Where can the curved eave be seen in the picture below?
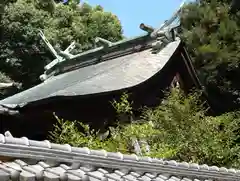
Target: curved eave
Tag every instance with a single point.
(116, 74)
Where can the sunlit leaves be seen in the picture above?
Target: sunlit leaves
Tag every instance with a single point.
(212, 36)
(62, 24)
(177, 129)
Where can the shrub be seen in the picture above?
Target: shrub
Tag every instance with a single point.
(194, 136)
(177, 129)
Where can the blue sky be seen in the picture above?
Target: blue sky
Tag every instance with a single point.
(132, 12)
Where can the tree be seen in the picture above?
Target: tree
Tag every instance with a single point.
(7, 86)
(4, 79)
(212, 36)
(22, 53)
(177, 129)
(192, 135)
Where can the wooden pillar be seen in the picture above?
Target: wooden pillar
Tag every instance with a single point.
(177, 81)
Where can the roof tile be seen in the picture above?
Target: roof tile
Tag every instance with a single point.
(86, 164)
(118, 73)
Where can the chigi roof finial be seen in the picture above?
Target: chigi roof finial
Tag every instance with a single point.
(103, 41)
(169, 22)
(146, 28)
(65, 61)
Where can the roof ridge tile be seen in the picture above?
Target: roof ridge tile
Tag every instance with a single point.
(44, 150)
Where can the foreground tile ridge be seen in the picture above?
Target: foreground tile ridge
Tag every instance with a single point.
(45, 150)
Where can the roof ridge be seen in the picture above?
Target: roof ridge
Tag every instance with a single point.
(45, 150)
(165, 35)
(94, 54)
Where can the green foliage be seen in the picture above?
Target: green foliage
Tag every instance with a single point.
(212, 36)
(46, 5)
(123, 106)
(8, 91)
(22, 53)
(4, 78)
(79, 134)
(68, 132)
(194, 136)
(176, 129)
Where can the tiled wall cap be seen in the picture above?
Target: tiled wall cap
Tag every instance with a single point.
(223, 170)
(157, 179)
(104, 152)
(13, 166)
(83, 150)
(104, 179)
(183, 165)
(5, 140)
(141, 172)
(65, 167)
(231, 170)
(2, 138)
(30, 170)
(85, 178)
(204, 167)
(186, 179)
(173, 178)
(21, 163)
(131, 157)
(194, 166)
(124, 171)
(172, 163)
(48, 144)
(14, 141)
(145, 159)
(150, 175)
(8, 134)
(129, 177)
(77, 173)
(51, 163)
(39, 144)
(98, 153)
(113, 177)
(158, 161)
(102, 171)
(115, 155)
(88, 168)
(135, 174)
(95, 175)
(59, 147)
(14, 174)
(39, 175)
(75, 165)
(120, 173)
(69, 148)
(214, 169)
(63, 176)
(164, 176)
(44, 165)
(26, 141)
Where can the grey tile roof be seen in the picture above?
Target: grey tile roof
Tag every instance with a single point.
(115, 74)
(43, 160)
